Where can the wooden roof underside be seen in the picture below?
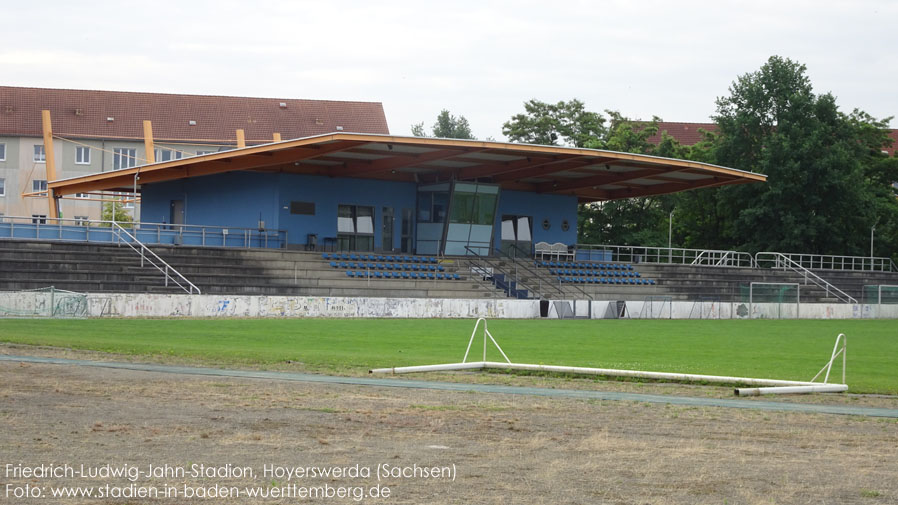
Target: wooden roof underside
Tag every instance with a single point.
(589, 174)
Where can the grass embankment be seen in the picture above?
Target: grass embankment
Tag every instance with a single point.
(758, 348)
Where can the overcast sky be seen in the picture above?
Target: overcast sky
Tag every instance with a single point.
(479, 59)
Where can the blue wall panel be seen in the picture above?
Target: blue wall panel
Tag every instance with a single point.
(237, 199)
(328, 193)
(555, 208)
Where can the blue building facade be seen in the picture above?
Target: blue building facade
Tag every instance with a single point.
(365, 214)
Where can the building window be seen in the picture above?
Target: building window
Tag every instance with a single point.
(124, 157)
(38, 219)
(2, 187)
(355, 228)
(165, 154)
(200, 153)
(38, 185)
(127, 201)
(40, 156)
(82, 155)
(82, 220)
(2, 152)
(82, 196)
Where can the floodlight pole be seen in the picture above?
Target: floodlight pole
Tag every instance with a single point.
(872, 228)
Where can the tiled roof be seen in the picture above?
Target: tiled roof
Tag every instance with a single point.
(686, 134)
(893, 134)
(85, 113)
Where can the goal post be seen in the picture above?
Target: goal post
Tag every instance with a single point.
(43, 303)
(877, 295)
(780, 300)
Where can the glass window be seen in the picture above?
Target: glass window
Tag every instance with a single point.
(345, 223)
(524, 229)
(82, 155)
(200, 153)
(38, 219)
(364, 220)
(2, 187)
(463, 207)
(38, 185)
(2, 152)
(486, 209)
(81, 220)
(165, 154)
(82, 196)
(40, 156)
(124, 157)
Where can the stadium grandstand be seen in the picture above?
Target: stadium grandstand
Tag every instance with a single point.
(286, 197)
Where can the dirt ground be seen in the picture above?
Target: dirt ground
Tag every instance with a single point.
(488, 448)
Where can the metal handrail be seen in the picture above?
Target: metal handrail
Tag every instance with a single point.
(670, 255)
(535, 273)
(780, 260)
(163, 267)
(490, 288)
(836, 262)
(97, 230)
(496, 269)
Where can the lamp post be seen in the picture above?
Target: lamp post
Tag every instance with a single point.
(872, 228)
(670, 237)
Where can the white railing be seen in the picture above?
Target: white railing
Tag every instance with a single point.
(782, 261)
(830, 262)
(148, 256)
(671, 255)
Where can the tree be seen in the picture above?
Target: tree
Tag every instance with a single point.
(447, 126)
(116, 209)
(562, 123)
(821, 195)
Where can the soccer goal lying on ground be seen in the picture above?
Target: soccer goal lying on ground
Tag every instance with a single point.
(767, 386)
(44, 302)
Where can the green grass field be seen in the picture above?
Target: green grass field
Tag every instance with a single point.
(780, 349)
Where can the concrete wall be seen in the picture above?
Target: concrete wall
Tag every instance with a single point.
(166, 305)
(149, 305)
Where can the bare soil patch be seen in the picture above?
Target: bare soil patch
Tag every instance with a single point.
(504, 448)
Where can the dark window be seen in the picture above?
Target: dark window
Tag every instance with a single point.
(302, 208)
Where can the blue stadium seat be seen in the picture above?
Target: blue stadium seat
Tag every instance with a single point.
(350, 273)
(456, 277)
(440, 268)
(325, 256)
(405, 275)
(361, 274)
(334, 264)
(414, 275)
(388, 275)
(343, 264)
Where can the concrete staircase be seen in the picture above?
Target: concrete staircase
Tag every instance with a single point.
(88, 267)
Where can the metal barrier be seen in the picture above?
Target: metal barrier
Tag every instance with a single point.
(516, 253)
(151, 233)
(829, 262)
(669, 255)
(148, 256)
(781, 261)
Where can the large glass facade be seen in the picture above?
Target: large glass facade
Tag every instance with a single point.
(456, 218)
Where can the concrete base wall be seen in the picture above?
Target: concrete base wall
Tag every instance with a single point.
(27, 304)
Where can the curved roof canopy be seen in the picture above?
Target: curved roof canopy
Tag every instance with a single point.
(589, 174)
